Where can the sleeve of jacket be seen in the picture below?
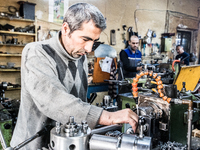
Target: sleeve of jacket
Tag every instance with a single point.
(40, 80)
(125, 61)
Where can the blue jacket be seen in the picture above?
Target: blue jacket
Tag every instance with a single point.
(130, 61)
(183, 57)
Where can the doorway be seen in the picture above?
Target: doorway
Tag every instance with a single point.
(184, 38)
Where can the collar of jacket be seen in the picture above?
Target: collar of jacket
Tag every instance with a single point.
(136, 52)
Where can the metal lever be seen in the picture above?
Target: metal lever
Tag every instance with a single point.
(141, 125)
(92, 98)
(38, 134)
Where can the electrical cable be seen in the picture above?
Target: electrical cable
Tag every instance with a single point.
(184, 16)
(12, 9)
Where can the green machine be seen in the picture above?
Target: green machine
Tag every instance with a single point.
(5, 126)
(163, 121)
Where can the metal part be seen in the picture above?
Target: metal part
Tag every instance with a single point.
(58, 129)
(107, 104)
(101, 142)
(183, 88)
(173, 145)
(141, 123)
(177, 101)
(72, 136)
(163, 126)
(107, 100)
(124, 142)
(79, 136)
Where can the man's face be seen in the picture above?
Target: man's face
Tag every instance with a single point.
(134, 42)
(80, 41)
(179, 50)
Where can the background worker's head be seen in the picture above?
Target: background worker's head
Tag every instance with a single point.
(134, 42)
(179, 49)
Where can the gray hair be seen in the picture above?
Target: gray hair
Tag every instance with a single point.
(84, 12)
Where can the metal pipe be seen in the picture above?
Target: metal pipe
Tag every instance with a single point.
(3, 142)
(190, 117)
(189, 103)
(189, 135)
(197, 87)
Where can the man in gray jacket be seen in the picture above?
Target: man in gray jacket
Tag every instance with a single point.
(54, 79)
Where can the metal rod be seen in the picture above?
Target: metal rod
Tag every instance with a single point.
(25, 142)
(122, 73)
(106, 129)
(190, 117)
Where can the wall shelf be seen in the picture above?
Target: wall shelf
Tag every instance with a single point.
(2, 55)
(17, 19)
(11, 52)
(9, 70)
(16, 33)
(12, 45)
(11, 89)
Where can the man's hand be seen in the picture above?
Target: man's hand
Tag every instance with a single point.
(121, 116)
(139, 68)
